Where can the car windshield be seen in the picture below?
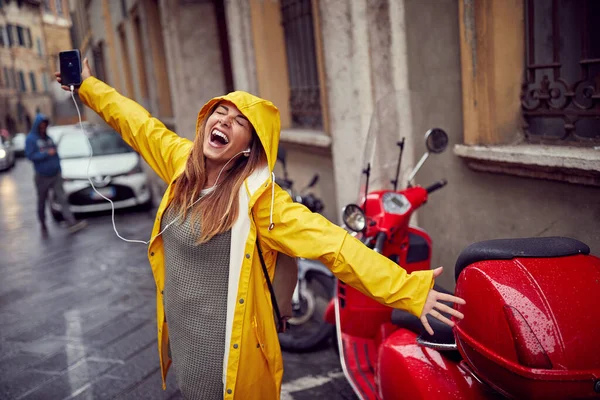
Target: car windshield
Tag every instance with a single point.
(106, 142)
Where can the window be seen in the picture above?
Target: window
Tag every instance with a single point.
(32, 81)
(29, 40)
(305, 92)
(10, 34)
(22, 86)
(98, 54)
(141, 65)
(2, 40)
(59, 7)
(7, 78)
(126, 63)
(21, 35)
(47, 6)
(561, 96)
(39, 47)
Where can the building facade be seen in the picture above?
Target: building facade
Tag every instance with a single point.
(24, 83)
(514, 83)
(56, 19)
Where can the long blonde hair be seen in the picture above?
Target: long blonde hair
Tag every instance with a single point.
(218, 210)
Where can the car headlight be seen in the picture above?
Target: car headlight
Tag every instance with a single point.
(2, 153)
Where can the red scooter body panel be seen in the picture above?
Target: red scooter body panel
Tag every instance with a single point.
(410, 371)
(533, 336)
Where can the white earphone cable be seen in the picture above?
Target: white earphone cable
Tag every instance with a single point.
(210, 190)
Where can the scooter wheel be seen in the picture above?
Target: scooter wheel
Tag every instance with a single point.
(314, 331)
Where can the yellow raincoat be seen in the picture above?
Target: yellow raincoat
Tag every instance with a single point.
(253, 366)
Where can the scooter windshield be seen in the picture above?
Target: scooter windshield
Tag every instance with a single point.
(390, 123)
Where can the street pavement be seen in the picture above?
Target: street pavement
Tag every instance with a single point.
(77, 311)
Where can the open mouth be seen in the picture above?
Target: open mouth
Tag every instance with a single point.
(218, 138)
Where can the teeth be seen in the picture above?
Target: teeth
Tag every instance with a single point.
(217, 132)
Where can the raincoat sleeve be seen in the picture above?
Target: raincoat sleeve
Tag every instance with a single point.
(301, 233)
(162, 149)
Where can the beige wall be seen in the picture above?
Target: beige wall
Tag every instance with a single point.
(193, 60)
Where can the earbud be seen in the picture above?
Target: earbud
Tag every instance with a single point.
(247, 152)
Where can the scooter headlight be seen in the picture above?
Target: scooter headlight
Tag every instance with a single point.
(354, 217)
(2, 153)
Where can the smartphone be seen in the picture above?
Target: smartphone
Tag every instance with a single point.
(70, 67)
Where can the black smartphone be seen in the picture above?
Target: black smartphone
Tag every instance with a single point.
(70, 67)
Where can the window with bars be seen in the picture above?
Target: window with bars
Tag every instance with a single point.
(305, 91)
(10, 33)
(22, 86)
(33, 82)
(561, 91)
(2, 40)
(59, 8)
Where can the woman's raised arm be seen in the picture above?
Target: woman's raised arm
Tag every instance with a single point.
(162, 149)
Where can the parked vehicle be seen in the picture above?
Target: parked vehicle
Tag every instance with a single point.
(115, 170)
(307, 328)
(530, 329)
(7, 154)
(18, 144)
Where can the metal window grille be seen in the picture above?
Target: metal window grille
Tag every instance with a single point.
(33, 82)
(561, 91)
(59, 7)
(305, 93)
(22, 86)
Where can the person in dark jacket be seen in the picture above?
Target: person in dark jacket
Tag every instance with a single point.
(41, 150)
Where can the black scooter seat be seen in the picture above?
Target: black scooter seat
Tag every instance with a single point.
(507, 249)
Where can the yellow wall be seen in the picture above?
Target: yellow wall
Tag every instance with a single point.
(271, 61)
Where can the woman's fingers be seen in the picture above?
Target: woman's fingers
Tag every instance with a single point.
(449, 310)
(426, 324)
(440, 317)
(450, 298)
(437, 272)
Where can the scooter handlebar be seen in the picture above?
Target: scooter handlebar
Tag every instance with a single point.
(380, 240)
(436, 186)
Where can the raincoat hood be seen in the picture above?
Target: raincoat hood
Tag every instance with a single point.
(262, 114)
(39, 118)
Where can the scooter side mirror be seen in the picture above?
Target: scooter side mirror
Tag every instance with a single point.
(313, 181)
(436, 140)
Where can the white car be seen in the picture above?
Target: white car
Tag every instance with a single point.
(7, 155)
(18, 143)
(115, 170)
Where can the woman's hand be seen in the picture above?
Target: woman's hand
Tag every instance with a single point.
(433, 306)
(86, 72)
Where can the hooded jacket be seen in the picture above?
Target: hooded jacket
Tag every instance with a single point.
(253, 366)
(36, 149)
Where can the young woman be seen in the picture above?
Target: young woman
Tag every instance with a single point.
(214, 312)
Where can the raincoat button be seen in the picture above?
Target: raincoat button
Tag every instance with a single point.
(152, 254)
(257, 345)
(229, 391)
(241, 301)
(235, 346)
(248, 255)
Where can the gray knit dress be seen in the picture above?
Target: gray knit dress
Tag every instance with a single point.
(195, 297)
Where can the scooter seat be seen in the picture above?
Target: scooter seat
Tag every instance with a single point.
(507, 249)
(442, 335)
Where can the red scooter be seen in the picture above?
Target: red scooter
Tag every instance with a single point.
(531, 328)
